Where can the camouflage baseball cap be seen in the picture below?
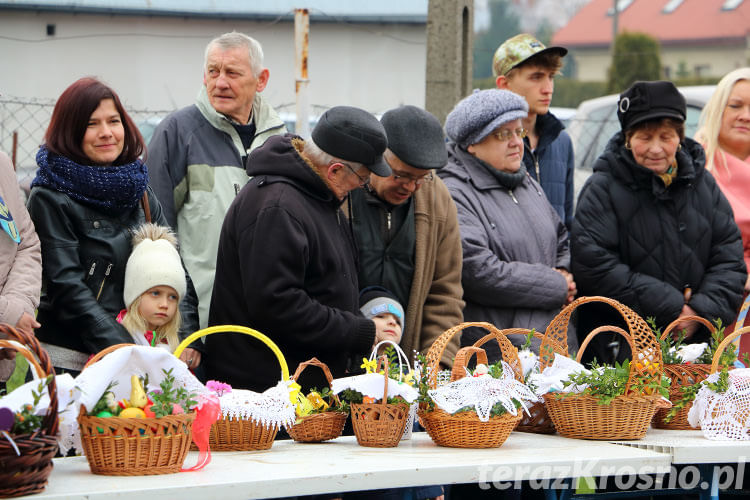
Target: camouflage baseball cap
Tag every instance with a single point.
(516, 50)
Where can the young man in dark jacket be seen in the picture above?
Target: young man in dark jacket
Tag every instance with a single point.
(286, 262)
(523, 65)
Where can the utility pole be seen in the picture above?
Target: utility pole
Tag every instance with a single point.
(614, 26)
(302, 82)
(450, 43)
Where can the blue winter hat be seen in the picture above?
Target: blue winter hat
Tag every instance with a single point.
(375, 300)
(478, 115)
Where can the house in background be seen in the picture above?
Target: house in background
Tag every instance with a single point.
(366, 54)
(705, 38)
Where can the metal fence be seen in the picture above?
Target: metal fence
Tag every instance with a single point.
(23, 122)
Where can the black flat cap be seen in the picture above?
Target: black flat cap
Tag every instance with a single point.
(416, 137)
(353, 134)
(650, 101)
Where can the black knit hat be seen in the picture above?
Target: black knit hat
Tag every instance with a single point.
(353, 134)
(649, 101)
(416, 137)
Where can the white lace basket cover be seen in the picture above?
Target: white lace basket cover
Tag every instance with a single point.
(724, 416)
(271, 408)
(402, 361)
(482, 393)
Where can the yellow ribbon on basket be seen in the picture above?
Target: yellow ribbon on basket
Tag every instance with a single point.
(239, 329)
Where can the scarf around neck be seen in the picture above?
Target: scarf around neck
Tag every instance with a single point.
(509, 180)
(112, 189)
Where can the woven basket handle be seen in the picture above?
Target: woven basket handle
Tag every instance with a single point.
(326, 371)
(609, 328)
(435, 353)
(50, 421)
(237, 329)
(24, 351)
(462, 359)
(645, 346)
(383, 361)
(99, 355)
(673, 325)
(723, 345)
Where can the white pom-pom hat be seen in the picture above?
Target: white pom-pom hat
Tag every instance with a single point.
(154, 261)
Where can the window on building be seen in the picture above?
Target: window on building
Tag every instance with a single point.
(621, 6)
(702, 70)
(671, 6)
(731, 4)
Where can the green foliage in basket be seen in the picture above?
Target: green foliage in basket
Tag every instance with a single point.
(669, 346)
(27, 421)
(169, 396)
(107, 402)
(351, 396)
(605, 382)
(690, 391)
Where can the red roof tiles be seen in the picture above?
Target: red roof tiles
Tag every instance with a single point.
(691, 21)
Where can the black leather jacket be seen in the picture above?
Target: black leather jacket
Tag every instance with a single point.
(84, 253)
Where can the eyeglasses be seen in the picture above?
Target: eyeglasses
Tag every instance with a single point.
(406, 179)
(505, 134)
(363, 181)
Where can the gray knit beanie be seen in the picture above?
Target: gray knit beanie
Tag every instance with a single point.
(476, 116)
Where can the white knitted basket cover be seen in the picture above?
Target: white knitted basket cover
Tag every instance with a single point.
(724, 416)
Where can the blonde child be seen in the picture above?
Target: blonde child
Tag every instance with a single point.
(154, 285)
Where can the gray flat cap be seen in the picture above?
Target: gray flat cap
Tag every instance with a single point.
(416, 137)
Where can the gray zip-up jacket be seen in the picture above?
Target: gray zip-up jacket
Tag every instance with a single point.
(512, 242)
(195, 162)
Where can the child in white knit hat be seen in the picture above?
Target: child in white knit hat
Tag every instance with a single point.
(154, 285)
(381, 306)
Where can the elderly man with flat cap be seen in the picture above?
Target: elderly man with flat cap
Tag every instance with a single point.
(407, 230)
(286, 263)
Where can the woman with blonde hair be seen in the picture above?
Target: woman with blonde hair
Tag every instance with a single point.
(725, 134)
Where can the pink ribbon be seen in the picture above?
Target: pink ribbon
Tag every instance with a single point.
(207, 412)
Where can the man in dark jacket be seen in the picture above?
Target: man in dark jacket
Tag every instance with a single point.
(522, 64)
(286, 263)
(407, 231)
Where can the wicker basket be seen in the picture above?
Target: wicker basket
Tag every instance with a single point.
(537, 420)
(27, 473)
(465, 430)
(116, 446)
(628, 416)
(379, 425)
(403, 360)
(239, 434)
(728, 419)
(682, 375)
(319, 426)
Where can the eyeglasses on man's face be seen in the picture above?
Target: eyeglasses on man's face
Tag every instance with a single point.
(403, 178)
(505, 134)
(363, 181)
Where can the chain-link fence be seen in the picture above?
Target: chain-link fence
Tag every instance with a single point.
(23, 122)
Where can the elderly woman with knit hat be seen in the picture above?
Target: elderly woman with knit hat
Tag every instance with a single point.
(652, 229)
(515, 250)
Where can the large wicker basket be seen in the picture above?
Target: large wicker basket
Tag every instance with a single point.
(27, 473)
(682, 375)
(379, 425)
(228, 434)
(116, 446)
(628, 416)
(537, 420)
(464, 429)
(319, 426)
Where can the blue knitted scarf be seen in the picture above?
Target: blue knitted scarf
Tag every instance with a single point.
(111, 189)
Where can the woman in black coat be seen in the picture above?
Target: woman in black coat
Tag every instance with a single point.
(89, 193)
(652, 229)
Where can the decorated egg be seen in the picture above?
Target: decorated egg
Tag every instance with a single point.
(132, 413)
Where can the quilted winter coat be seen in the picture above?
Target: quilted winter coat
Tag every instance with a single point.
(642, 243)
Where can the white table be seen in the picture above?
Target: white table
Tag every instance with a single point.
(691, 448)
(290, 468)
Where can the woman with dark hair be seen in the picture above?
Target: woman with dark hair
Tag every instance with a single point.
(652, 229)
(89, 193)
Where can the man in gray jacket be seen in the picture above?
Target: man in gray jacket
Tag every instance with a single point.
(196, 158)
